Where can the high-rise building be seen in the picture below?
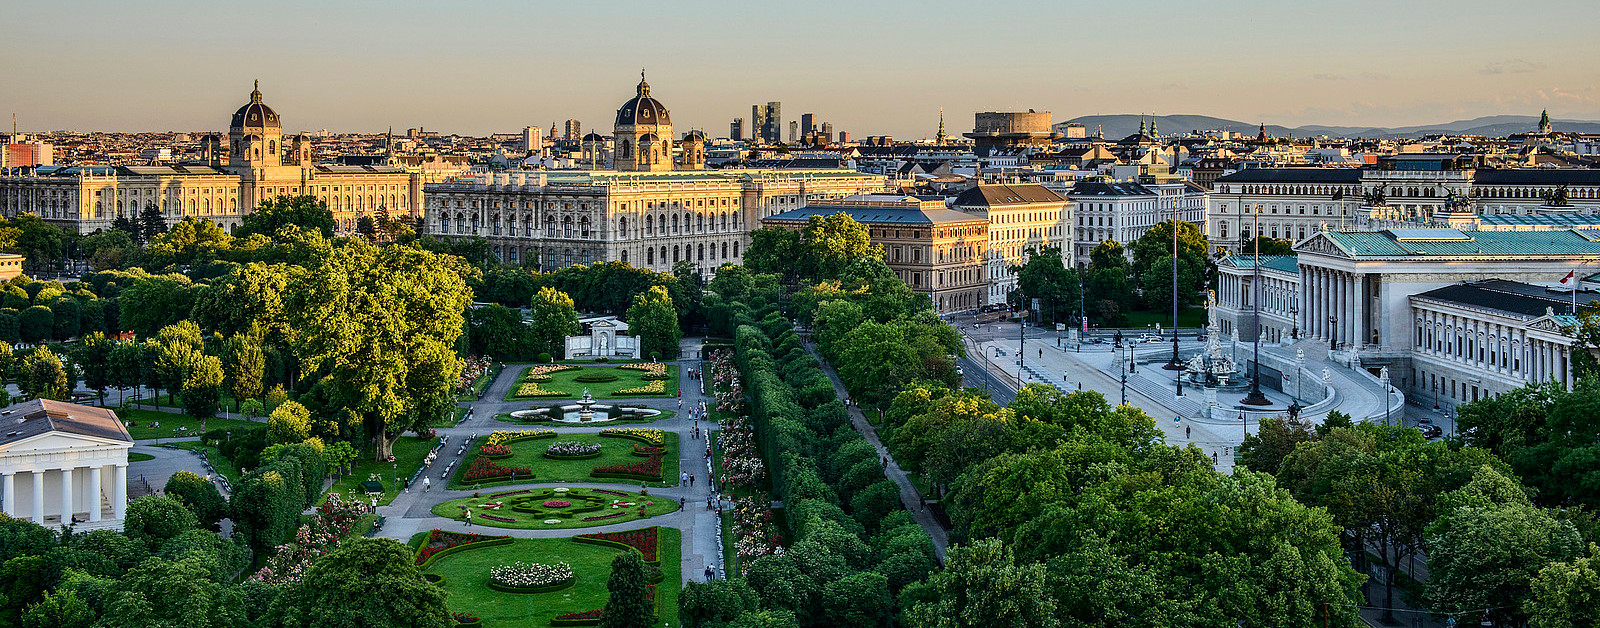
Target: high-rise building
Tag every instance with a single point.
(808, 123)
(532, 139)
(844, 137)
(827, 133)
(736, 129)
(794, 131)
(766, 122)
(573, 130)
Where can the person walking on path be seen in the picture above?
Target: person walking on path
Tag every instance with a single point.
(426, 484)
(683, 478)
(1186, 431)
(691, 479)
(469, 518)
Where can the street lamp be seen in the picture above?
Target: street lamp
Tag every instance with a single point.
(1255, 398)
(1172, 364)
(1294, 317)
(1333, 333)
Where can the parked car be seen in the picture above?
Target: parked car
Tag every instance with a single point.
(1431, 431)
(1150, 338)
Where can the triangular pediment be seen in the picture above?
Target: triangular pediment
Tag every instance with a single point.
(1321, 244)
(59, 441)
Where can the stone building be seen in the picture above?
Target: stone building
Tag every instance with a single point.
(256, 163)
(937, 251)
(1022, 218)
(64, 463)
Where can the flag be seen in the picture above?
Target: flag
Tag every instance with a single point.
(1567, 280)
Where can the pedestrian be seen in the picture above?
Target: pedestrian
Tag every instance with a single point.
(691, 479)
(1186, 431)
(469, 518)
(923, 501)
(680, 502)
(680, 402)
(426, 484)
(683, 478)
(886, 461)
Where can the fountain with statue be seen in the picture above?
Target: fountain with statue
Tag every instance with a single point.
(1213, 369)
(583, 411)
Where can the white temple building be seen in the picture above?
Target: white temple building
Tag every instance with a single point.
(62, 463)
(604, 336)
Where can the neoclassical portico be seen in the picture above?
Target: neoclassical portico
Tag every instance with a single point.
(62, 463)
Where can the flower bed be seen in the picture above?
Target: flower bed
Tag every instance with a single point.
(506, 437)
(610, 492)
(533, 389)
(645, 541)
(656, 387)
(648, 436)
(498, 518)
(568, 450)
(647, 469)
(442, 542)
(557, 503)
(755, 530)
(483, 469)
(646, 450)
(495, 451)
(520, 577)
(585, 618)
(610, 516)
(465, 619)
(652, 370)
(741, 457)
(518, 491)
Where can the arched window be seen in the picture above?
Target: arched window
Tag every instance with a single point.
(649, 225)
(700, 222)
(583, 227)
(675, 253)
(674, 223)
(272, 147)
(650, 256)
(735, 249)
(624, 256)
(724, 249)
(566, 224)
(622, 228)
(627, 149)
(702, 252)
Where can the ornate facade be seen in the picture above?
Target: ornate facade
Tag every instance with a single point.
(256, 164)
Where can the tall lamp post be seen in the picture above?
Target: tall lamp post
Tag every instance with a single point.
(1122, 363)
(1172, 364)
(1255, 398)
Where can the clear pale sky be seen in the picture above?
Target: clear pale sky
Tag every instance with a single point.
(868, 66)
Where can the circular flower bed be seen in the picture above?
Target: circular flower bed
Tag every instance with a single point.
(596, 377)
(495, 451)
(569, 450)
(557, 503)
(520, 577)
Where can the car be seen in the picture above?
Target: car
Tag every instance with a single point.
(1425, 420)
(1431, 431)
(1149, 338)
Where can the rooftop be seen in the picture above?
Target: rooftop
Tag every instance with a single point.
(920, 214)
(1510, 297)
(1283, 263)
(1293, 175)
(40, 416)
(995, 195)
(1450, 242)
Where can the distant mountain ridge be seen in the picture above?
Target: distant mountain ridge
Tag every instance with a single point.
(1117, 126)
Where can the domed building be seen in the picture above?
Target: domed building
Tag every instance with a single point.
(255, 135)
(643, 133)
(694, 151)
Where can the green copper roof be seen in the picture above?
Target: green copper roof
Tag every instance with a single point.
(1516, 243)
(1284, 263)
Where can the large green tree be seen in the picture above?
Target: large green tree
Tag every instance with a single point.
(654, 321)
(202, 387)
(833, 243)
(553, 318)
(498, 331)
(304, 212)
(1566, 594)
(363, 583)
(161, 593)
(43, 375)
(382, 324)
(1045, 276)
(982, 586)
(629, 604)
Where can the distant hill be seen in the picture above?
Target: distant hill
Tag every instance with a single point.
(1117, 126)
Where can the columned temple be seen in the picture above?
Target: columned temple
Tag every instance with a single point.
(63, 464)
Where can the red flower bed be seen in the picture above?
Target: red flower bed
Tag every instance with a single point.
(610, 492)
(650, 467)
(484, 468)
(440, 540)
(599, 517)
(644, 540)
(525, 490)
(583, 615)
(495, 450)
(494, 518)
(557, 503)
(646, 450)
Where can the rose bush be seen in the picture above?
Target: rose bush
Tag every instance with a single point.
(521, 575)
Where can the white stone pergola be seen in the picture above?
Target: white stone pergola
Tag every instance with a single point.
(63, 462)
(604, 336)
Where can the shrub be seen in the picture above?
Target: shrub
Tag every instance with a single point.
(520, 577)
(595, 377)
(568, 450)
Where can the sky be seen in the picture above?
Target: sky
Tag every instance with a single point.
(868, 66)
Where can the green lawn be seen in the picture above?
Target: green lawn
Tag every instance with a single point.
(223, 466)
(506, 417)
(138, 457)
(729, 553)
(171, 424)
(466, 574)
(655, 506)
(529, 454)
(166, 401)
(565, 381)
(1188, 318)
(408, 454)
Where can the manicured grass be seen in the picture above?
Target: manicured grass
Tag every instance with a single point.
(408, 454)
(478, 385)
(170, 424)
(565, 381)
(466, 575)
(166, 401)
(730, 556)
(529, 521)
(506, 417)
(529, 454)
(138, 457)
(223, 465)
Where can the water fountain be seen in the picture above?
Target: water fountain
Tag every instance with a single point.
(586, 407)
(584, 410)
(1211, 368)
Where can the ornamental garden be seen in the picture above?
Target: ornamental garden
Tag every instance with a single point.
(569, 381)
(632, 455)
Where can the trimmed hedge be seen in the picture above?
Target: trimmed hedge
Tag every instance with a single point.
(474, 545)
(595, 377)
(545, 589)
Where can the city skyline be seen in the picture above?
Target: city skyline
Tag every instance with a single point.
(499, 67)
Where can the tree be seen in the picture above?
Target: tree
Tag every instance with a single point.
(153, 302)
(496, 330)
(304, 212)
(112, 249)
(1566, 594)
(1045, 276)
(383, 324)
(983, 586)
(1265, 450)
(654, 321)
(155, 518)
(94, 357)
(1269, 246)
(289, 423)
(553, 317)
(43, 376)
(1157, 283)
(191, 240)
(160, 593)
(199, 496)
(1156, 244)
(202, 387)
(44, 244)
(175, 350)
(151, 223)
(834, 242)
(777, 250)
(859, 599)
(629, 605)
(1108, 254)
(363, 582)
(36, 324)
(246, 365)
(714, 603)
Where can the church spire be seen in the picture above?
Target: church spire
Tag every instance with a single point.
(1544, 121)
(1141, 124)
(255, 95)
(1153, 131)
(939, 139)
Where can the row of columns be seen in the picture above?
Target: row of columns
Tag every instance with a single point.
(1542, 360)
(119, 498)
(1335, 305)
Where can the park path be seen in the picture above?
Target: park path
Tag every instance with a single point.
(909, 497)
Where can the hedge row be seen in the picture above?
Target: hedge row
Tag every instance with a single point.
(545, 589)
(460, 548)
